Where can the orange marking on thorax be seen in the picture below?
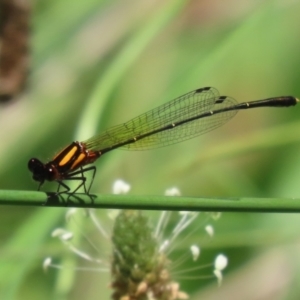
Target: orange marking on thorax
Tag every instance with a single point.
(68, 156)
(78, 160)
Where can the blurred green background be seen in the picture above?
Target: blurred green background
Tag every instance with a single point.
(95, 64)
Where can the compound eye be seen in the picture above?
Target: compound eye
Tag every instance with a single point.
(38, 169)
(34, 164)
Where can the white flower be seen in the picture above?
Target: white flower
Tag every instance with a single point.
(174, 191)
(47, 263)
(195, 252)
(121, 187)
(221, 262)
(210, 230)
(62, 234)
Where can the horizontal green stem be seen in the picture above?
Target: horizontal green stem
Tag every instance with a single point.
(33, 198)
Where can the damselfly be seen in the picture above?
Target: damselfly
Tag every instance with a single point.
(183, 118)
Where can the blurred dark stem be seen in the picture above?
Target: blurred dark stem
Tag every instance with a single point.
(14, 47)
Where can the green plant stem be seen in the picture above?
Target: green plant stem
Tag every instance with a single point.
(33, 198)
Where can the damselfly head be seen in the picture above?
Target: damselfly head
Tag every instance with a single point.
(38, 169)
